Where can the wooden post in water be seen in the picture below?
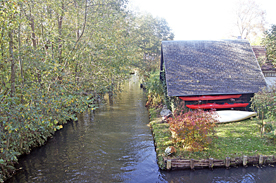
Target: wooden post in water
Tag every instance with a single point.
(169, 164)
(192, 164)
(227, 162)
(261, 160)
(211, 163)
(244, 160)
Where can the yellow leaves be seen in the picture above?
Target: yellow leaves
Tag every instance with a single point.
(58, 127)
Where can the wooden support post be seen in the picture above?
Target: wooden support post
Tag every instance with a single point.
(244, 160)
(211, 163)
(192, 164)
(261, 160)
(227, 162)
(169, 164)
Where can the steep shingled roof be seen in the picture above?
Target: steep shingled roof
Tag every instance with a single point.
(210, 67)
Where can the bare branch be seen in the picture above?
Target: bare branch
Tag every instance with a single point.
(250, 19)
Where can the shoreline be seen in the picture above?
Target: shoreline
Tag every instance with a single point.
(162, 140)
(35, 142)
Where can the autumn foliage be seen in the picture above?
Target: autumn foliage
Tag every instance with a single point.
(192, 129)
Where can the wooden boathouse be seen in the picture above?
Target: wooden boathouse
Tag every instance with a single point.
(210, 67)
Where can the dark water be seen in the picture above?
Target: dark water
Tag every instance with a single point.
(114, 144)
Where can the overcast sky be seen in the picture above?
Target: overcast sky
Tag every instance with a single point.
(199, 19)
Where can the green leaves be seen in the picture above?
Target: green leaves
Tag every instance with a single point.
(149, 33)
(58, 57)
(155, 89)
(264, 103)
(269, 42)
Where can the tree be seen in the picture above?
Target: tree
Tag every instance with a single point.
(269, 41)
(57, 56)
(250, 19)
(150, 33)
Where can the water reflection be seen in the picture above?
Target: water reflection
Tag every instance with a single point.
(114, 144)
(221, 175)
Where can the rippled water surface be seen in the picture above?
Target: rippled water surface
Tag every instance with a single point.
(114, 144)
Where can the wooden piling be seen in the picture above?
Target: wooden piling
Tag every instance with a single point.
(192, 165)
(169, 164)
(227, 162)
(211, 163)
(261, 160)
(244, 160)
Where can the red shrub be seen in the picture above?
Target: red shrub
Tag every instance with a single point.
(192, 128)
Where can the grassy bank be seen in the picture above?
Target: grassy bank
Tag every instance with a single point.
(230, 140)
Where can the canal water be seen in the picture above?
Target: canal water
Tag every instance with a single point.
(114, 144)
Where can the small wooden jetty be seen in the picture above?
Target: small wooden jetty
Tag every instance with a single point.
(259, 160)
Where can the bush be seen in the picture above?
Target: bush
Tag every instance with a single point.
(155, 90)
(192, 128)
(264, 103)
(25, 125)
(271, 135)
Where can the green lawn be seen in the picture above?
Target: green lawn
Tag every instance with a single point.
(230, 140)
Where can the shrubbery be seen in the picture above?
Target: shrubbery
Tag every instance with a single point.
(28, 123)
(192, 129)
(155, 90)
(264, 103)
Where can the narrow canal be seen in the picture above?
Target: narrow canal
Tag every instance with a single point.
(114, 144)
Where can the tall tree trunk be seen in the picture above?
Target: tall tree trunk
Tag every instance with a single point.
(77, 22)
(2, 62)
(60, 19)
(34, 44)
(77, 38)
(2, 44)
(19, 53)
(33, 31)
(19, 57)
(12, 80)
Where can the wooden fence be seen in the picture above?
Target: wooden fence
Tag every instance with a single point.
(227, 162)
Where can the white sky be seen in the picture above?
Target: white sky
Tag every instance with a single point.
(199, 19)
